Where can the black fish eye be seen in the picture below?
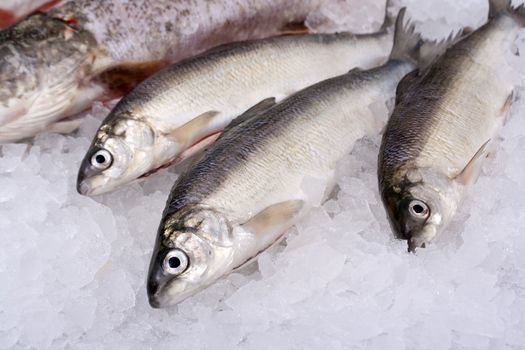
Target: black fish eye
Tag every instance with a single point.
(175, 262)
(101, 159)
(418, 209)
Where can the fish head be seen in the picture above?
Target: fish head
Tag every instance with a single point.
(194, 248)
(419, 204)
(43, 65)
(121, 152)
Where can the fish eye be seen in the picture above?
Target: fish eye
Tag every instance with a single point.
(102, 159)
(175, 262)
(418, 209)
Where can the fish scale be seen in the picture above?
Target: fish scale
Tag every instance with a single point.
(268, 167)
(264, 162)
(115, 45)
(188, 102)
(440, 131)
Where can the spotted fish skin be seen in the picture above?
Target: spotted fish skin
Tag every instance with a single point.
(442, 127)
(84, 50)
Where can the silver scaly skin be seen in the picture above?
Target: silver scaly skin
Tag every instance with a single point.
(181, 109)
(252, 183)
(55, 64)
(442, 128)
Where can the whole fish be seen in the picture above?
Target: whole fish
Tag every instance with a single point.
(252, 183)
(442, 127)
(11, 11)
(55, 64)
(181, 109)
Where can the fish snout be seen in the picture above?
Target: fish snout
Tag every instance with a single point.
(90, 181)
(153, 297)
(414, 243)
(83, 188)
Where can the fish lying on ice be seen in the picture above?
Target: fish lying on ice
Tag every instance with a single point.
(55, 64)
(442, 127)
(248, 187)
(181, 109)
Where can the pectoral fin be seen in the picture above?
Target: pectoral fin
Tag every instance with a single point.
(196, 148)
(472, 170)
(65, 126)
(270, 225)
(505, 109)
(194, 130)
(274, 217)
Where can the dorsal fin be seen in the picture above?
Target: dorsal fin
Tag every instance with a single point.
(405, 83)
(388, 20)
(433, 49)
(497, 6)
(406, 41)
(470, 173)
(505, 6)
(256, 110)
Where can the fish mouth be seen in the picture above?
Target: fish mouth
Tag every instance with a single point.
(89, 187)
(165, 291)
(421, 238)
(90, 181)
(84, 188)
(153, 296)
(415, 243)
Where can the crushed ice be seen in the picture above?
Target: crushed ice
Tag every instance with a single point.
(72, 269)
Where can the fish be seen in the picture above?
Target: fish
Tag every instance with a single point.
(11, 11)
(251, 185)
(54, 64)
(445, 123)
(180, 110)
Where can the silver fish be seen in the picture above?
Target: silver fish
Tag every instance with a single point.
(183, 108)
(252, 183)
(55, 64)
(443, 125)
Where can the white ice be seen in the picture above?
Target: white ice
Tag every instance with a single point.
(72, 269)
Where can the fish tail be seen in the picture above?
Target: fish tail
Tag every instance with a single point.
(406, 41)
(497, 6)
(431, 49)
(409, 46)
(388, 20)
(505, 6)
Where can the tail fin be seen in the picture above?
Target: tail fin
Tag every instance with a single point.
(431, 49)
(497, 6)
(505, 6)
(408, 45)
(388, 20)
(406, 41)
